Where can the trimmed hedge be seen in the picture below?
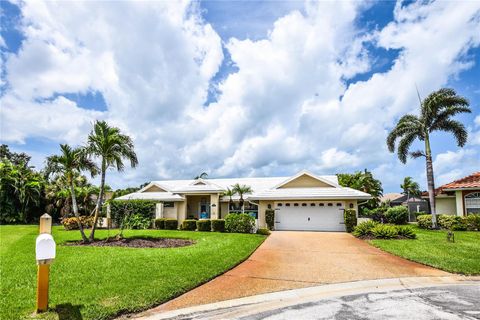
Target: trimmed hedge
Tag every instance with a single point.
(143, 209)
(424, 221)
(397, 215)
(189, 225)
(218, 225)
(160, 223)
(171, 224)
(204, 225)
(350, 218)
(72, 224)
(136, 221)
(270, 218)
(263, 231)
(240, 223)
(470, 222)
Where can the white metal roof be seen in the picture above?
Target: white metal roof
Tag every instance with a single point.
(161, 196)
(309, 193)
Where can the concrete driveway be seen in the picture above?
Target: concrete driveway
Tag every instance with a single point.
(291, 260)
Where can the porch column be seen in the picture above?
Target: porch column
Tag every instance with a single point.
(459, 202)
(181, 210)
(214, 206)
(159, 210)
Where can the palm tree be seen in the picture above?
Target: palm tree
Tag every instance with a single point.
(241, 190)
(112, 147)
(436, 112)
(230, 193)
(410, 187)
(69, 164)
(202, 175)
(27, 186)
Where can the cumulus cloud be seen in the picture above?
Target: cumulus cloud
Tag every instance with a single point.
(289, 105)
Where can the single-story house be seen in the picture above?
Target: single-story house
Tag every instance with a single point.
(413, 204)
(460, 197)
(304, 201)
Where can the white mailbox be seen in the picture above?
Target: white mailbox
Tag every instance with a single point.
(45, 248)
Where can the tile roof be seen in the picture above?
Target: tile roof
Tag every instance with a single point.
(468, 182)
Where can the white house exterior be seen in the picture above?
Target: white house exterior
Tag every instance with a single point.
(304, 201)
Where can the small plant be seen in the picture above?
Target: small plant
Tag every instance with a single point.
(350, 218)
(263, 231)
(424, 221)
(364, 229)
(385, 231)
(218, 225)
(171, 224)
(189, 225)
(270, 218)
(397, 215)
(71, 223)
(406, 232)
(160, 223)
(204, 225)
(240, 223)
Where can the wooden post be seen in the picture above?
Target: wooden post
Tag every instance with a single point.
(43, 269)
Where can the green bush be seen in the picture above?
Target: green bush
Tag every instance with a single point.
(171, 224)
(270, 218)
(451, 222)
(144, 209)
(263, 231)
(350, 218)
(189, 225)
(136, 221)
(71, 223)
(425, 221)
(384, 231)
(364, 229)
(472, 222)
(160, 223)
(204, 225)
(240, 223)
(397, 215)
(218, 225)
(406, 232)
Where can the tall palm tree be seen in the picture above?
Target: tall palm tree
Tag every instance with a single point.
(69, 164)
(230, 193)
(436, 112)
(112, 147)
(202, 175)
(410, 187)
(241, 190)
(27, 186)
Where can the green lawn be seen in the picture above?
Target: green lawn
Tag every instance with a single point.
(101, 282)
(433, 249)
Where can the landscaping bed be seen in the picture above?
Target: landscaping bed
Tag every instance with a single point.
(135, 243)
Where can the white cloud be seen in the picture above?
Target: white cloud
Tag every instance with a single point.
(287, 108)
(452, 165)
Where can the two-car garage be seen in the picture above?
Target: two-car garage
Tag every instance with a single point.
(309, 216)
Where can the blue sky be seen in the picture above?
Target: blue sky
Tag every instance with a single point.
(239, 87)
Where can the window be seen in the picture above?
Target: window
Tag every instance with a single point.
(287, 204)
(312, 204)
(330, 204)
(321, 204)
(295, 204)
(351, 205)
(304, 204)
(339, 204)
(279, 204)
(472, 203)
(168, 204)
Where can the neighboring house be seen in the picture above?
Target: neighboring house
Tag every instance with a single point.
(460, 197)
(302, 202)
(413, 204)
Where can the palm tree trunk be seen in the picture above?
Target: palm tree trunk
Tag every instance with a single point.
(242, 204)
(430, 181)
(98, 207)
(75, 211)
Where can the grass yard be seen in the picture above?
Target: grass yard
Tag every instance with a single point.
(433, 249)
(101, 282)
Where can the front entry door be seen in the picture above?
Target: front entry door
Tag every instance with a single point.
(204, 209)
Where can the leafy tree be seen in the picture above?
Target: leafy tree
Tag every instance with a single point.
(13, 157)
(410, 187)
(230, 193)
(436, 112)
(241, 190)
(70, 163)
(111, 147)
(363, 181)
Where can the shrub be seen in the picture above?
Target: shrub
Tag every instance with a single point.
(218, 225)
(263, 231)
(472, 222)
(171, 224)
(425, 221)
(270, 218)
(364, 229)
(204, 225)
(451, 222)
(406, 232)
(136, 221)
(397, 215)
(120, 209)
(189, 225)
(384, 231)
(160, 223)
(240, 223)
(71, 223)
(350, 218)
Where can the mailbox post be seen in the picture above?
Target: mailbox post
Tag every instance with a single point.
(45, 253)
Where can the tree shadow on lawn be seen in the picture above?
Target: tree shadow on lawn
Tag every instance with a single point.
(68, 311)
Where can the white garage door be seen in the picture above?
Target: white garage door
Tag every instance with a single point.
(312, 216)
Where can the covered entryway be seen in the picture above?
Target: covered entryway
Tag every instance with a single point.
(309, 216)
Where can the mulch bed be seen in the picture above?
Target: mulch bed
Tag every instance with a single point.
(136, 243)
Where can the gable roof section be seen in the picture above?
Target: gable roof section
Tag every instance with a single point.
(154, 187)
(311, 181)
(309, 193)
(469, 182)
